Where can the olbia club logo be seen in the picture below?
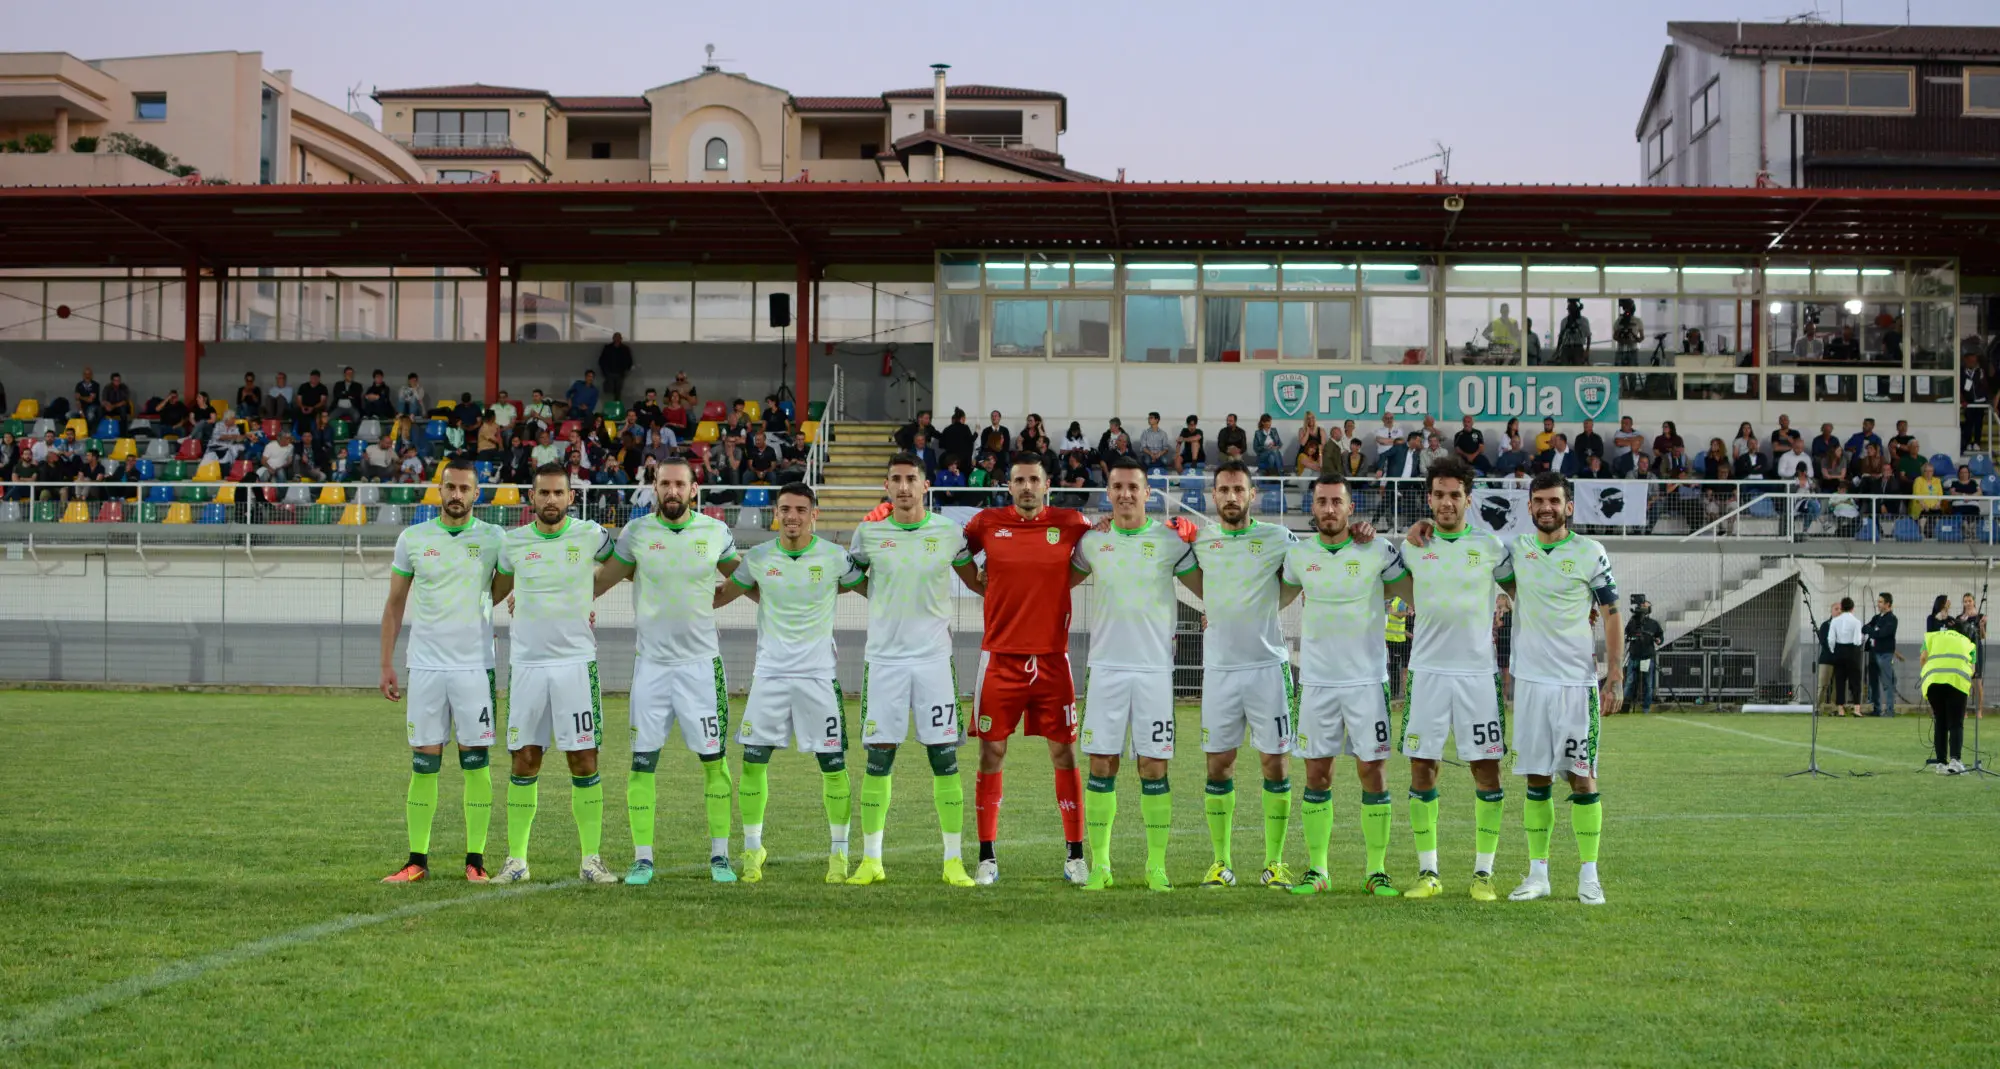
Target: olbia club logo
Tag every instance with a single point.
(1288, 393)
(1593, 393)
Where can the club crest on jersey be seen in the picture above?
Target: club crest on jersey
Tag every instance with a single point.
(1353, 567)
(472, 552)
(1054, 536)
(1472, 557)
(700, 545)
(1569, 567)
(1256, 545)
(930, 545)
(573, 553)
(1145, 548)
(815, 572)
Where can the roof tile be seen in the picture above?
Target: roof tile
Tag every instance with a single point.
(471, 89)
(602, 103)
(1828, 39)
(841, 103)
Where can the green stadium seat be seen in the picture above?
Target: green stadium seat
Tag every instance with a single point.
(195, 494)
(153, 511)
(16, 428)
(815, 410)
(400, 495)
(342, 430)
(48, 511)
(614, 411)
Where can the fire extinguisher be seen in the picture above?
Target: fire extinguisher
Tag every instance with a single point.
(888, 363)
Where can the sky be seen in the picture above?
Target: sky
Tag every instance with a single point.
(1169, 90)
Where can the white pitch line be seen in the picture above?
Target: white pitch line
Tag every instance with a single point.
(1781, 742)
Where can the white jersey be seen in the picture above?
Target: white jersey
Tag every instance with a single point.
(909, 586)
(1132, 609)
(1341, 642)
(1239, 594)
(554, 577)
(1455, 587)
(451, 573)
(673, 584)
(795, 604)
(1555, 587)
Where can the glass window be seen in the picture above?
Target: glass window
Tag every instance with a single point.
(1731, 387)
(424, 309)
(149, 107)
(1260, 330)
(308, 311)
(1295, 324)
(1882, 280)
(1239, 273)
(1483, 276)
(1047, 271)
(958, 327)
(1150, 273)
(1159, 329)
(364, 311)
(903, 313)
(1333, 329)
(1082, 328)
(1718, 278)
(1563, 341)
(1933, 279)
(1638, 278)
(1020, 328)
(1318, 274)
(1705, 107)
(1843, 281)
(1789, 340)
(1932, 339)
(452, 178)
(663, 311)
(1396, 274)
(132, 310)
(959, 270)
(1569, 279)
(716, 156)
(253, 311)
(21, 312)
(601, 310)
(1849, 88)
(425, 122)
(1222, 329)
(1095, 271)
(1396, 330)
(1815, 88)
(472, 310)
(724, 311)
(846, 311)
(1007, 273)
(1697, 326)
(1660, 147)
(1889, 90)
(541, 310)
(1483, 330)
(1982, 92)
(1787, 278)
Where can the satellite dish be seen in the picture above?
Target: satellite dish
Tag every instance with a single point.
(363, 118)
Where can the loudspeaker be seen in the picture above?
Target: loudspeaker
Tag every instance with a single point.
(1683, 675)
(781, 309)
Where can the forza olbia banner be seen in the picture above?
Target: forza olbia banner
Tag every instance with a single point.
(1446, 394)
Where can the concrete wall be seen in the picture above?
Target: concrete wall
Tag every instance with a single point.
(755, 119)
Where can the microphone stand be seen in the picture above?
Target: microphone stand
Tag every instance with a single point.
(1978, 765)
(1812, 763)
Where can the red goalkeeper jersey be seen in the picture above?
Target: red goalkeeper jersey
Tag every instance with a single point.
(1027, 576)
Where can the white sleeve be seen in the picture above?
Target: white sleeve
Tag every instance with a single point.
(400, 563)
(604, 545)
(623, 548)
(1503, 567)
(1078, 559)
(857, 548)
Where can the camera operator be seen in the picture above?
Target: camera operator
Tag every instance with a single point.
(1643, 638)
(1946, 667)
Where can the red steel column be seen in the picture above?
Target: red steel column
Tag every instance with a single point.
(801, 340)
(492, 327)
(190, 331)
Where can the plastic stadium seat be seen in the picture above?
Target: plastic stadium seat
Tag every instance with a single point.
(1865, 530)
(1981, 464)
(1950, 529)
(298, 495)
(389, 515)
(220, 407)
(28, 409)
(1989, 485)
(226, 493)
(370, 431)
(107, 428)
(77, 427)
(76, 512)
(756, 499)
(332, 494)
(613, 411)
(1942, 465)
(815, 409)
(10, 512)
(434, 430)
(190, 449)
(707, 431)
(159, 494)
(507, 495)
(787, 408)
(486, 470)
(213, 513)
(321, 515)
(238, 471)
(402, 495)
(1763, 509)
(148, 471)
(432, 497)
(368, 494)
(193, 493)
(175, 471)
(526, 517)
(809, 431)
(1271, 499)
(159, 449)
(281, 514)
(423, 514)
(749, 519)
(1906, 530)
(699, 450)
(124, 449)
(112, 511)
(713, 512)
(342, 430)
(1194, 499)
(179, 512)
(755, 409)
(714, 412)
(208, 471)
(152, 512)
(568, 425)
(268, 428)
(354, 450)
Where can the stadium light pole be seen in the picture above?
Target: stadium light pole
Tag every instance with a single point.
(492, 327)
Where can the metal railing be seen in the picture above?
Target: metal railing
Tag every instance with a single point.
(830, 416)
(455, 140)
(996, 140)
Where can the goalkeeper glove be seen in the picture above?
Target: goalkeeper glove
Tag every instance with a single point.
(879, 512)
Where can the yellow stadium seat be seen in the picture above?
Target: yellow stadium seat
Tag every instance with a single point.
(809, 431)
(437, 478)
(755, 408)
(774, 519)
(431, 496)
(124, 449)
(76, 512)
(79, 428)
(208, 471)
(179, 512)
(353, 516)
(708, 431)
(332, 494)
(225, 494)
(221, 409)
(506, 495)
(28, 409)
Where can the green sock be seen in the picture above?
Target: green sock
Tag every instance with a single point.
(641, 790)
(752, 794)
(715, 797)
(1486, 811)
(1423, 827)
(1538, 815)
(1156, 808)
(1375, 829)
(1218, 804)
(948, 795)
(421, 805)
(874, 803)
(1317, 819)
(1586, 819)
(523, 796)
(837, 791)
(586, 804)
(1100, 808)
(478, 802)
(1277, 819)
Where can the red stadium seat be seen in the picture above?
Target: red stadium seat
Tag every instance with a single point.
(112, 511)
(715, 412)
(568, 425)
(190, 449)
(270, 428)
(239, 471)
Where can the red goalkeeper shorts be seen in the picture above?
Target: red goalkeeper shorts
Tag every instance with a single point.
(1017, 685)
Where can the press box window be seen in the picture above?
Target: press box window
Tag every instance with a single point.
(1865, 89)
(1982, 92)
(149, 107)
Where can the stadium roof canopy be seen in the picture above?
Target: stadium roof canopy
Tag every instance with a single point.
(905, 223)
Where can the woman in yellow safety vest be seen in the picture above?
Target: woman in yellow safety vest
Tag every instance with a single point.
(1946, 668)
(1397, 631)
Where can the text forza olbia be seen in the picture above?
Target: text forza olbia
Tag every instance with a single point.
(1478, 395)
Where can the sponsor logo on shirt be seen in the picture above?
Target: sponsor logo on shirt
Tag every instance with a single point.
(534, 554)
(888, 543)
(1215, 545)
(772, 571)
(657, 545)
(1430, 556)
(1312, 567)
(432, 552)
(1534, 556)
(1004, 532)
(1104, 547)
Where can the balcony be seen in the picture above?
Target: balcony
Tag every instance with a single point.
(434, 140)
(994, 140)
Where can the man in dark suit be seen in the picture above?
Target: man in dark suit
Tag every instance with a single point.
(1403, 461)
(1558, 457)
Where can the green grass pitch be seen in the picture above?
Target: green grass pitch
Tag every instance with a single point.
(190, 879)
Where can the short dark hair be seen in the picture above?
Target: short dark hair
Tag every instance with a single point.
(1888, 597)
(314, 371)
(675, 458)
(462, 464)
(901, 459)
(1152, 415)
(1128, 464)
(1550, 480)
(1020, 458)
(552, 469)
(1846, 604)
(798, 489)
(1331, 478)
(1448, 468)
(1232, 467)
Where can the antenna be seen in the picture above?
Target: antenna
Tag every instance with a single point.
(1439, 174)
(711, 63)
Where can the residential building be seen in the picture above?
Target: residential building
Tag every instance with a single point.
(1813, 104)
(721, 126)
(220, 115)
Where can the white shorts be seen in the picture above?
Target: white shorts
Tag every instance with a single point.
(1262, 697)
(1555, 729)
(692, 694)
(890, 691)
(1122, 702)
(806, 708)
(1345, 720)
(1467, 707)
(446, 702)
(554, 699)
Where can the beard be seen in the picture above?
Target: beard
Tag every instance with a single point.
(673, 508)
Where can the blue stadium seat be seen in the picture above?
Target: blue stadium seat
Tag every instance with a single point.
(423, 514)
(354, 448)
(1906, 530)
(787, 408)
(1943, 465)
(1157, 479)
(486, 469)
(1193, 498)
(1949, 529)
(1989, 484)
(1763, 509)
(214, 512)
(1865, 530)
(1981, 465)
(434, 431)
(147, 472)
(107, 428)
(757, 498)
(159, 493)
(1271, 499)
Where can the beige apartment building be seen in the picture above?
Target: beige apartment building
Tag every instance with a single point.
(721, 126)
(220, 115)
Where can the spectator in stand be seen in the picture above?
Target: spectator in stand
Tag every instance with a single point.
(1975, 399)
(249, 399)
(375, 400)
(173, 413)
(1830, 470)
(1353, 463)
(278, 400)
(1116, 447)
(674, 413)
(1627, 443)
(921, 448)
(615, 360)
(1434, 450)
(51, 446)
(1900, 444)
(1403, 463)
(1470, 445)
(547, 450)
(1309, 460)
(10, 453)
(1679, 491)
(489, 441)
(1746, 441)
(1642, 471)
(412, 470)
(1156, 450)
(1387, 436)
(315, 458)
(1794, 460)
(412, 401)
(1074, 442)
(994, 439)
(1927, 499)
(760, 459)
(200, 415)
(1593, 468)
(225, 442)
(983, 476)
(312, 398)
(661, 444)
(1309, 430)
(1587, 443)
(1075, 475)
(1667, 441)
(1752, 465)
(1513, 458)
(1871, 474)
(1825, 441)
(956, 441)
(582, 397)
(1546, 437)
(117, 402)
(908, 432)
(1861, 439)
(737, 426)
(1715, 464)
(682, 386)
(1781, 439)
(378, 461)
(85, 474)
(1193, 453)
(949, 475)
(86, 394)
(279, 456)
(601, 433)
(1269, 446)
(539, 411)
(1558, 457)
(1230, 442)
(1908, 467)
(1963, 490)
(347, 396)
(647, 411)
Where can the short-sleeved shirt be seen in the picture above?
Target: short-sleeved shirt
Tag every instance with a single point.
(1027, 576)
(554, 577)
(1133, 607)
(1455, 577)
(1554, 589)
(451, 573)
(796, 592)
(1239, 594)
(1343, 611)
(87, 390)
(909, 586)
(673, 583)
